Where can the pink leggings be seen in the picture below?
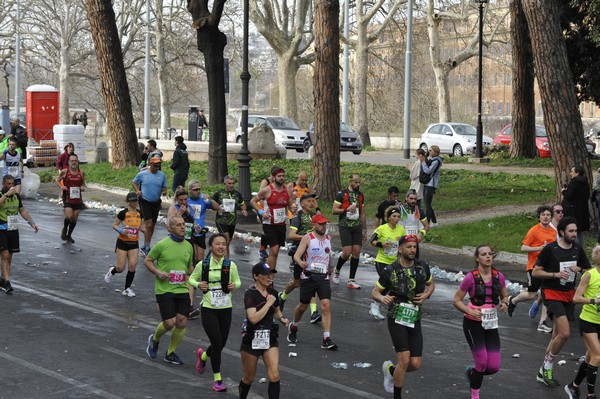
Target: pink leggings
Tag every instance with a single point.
(485, 347)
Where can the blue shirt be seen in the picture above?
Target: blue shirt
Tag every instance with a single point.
(199, 207)
(151, 184)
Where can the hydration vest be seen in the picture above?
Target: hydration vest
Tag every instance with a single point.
(478, 298)
(224, 272)
(401, 287)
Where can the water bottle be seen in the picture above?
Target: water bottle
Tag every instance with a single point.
(362, 365)
(337, 365)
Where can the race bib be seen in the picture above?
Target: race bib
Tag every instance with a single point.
(407, 314)
(353, 215)
(316, 267)
(262, 339)
(228, 205)
(131, 231)
(392, 250)
(13, 171)
(567, 266)
(197, 210)
(74, 192)
(489, 318)
(411, 229)
(279, 216)
(219, 299)
(12, 222)
(189, 227)
(176, 277)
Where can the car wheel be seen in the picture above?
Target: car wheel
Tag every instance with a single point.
(238, 139)
(423, 146)
(306, 145)
(356, 152)
(457, 151)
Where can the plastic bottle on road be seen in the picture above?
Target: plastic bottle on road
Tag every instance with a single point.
(337, 365)
(362, 365)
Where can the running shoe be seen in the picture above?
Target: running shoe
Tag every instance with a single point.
(201, 364)
(193, 313)
(375, 312)
(315, 317)
(336, 278)
(7, 287)
(546, 376)
(144, 251)
(152, 348)
(108, 276)
(572, 391)
(511, 306)
(173, 358)
(353, 285)
(70, 239)
(328, 344)
(263, 254)
(292, 336)
(128, 292)
(543, 327)
(388, 379)
(468, 374)
(534, 309)
(63, 234)
(219, 386)
(281, 301)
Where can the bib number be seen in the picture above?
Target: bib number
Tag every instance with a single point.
(12, 222)
(131, 231)
(74, 192)
(13, 171)
(319, 268)
(392, 250)
(489, 318)
(262, 339)
(228, 205)
(176, 277)
(219, 299)
(279, 215)
(407, 314)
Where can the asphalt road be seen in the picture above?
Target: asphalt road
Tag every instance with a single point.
(67, 334)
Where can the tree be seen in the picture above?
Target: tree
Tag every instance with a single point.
(559, 103)
(211, 42)
(523, 110)
(326, 163)
(115, 90)
(288, 30)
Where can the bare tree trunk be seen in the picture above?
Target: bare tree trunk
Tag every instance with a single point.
(63, 81)
(523, 110)
(361, 120)
(561, 114)
(441, 75)
(326, 164)
(115, 90)
(161, 68)
(288, 69)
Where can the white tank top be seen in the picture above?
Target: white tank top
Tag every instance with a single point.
(318, 255)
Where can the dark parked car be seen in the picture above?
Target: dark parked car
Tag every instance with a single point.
(349, 139)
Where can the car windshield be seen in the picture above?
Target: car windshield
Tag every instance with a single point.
(345, 128)
(467, 130)
(540, 131)
(282, 123)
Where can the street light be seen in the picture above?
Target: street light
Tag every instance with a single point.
(244, 155)
(479, 147)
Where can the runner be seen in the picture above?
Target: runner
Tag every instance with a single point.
(588, 295)
(10, 207)
(72, 183)
(314, 257)
(487, 292)
(229, 201)
(386, 237)
(13, 162)
(128, 224)
(413, 218)
(173, 256)
(349, 204)
(200, 203)
(261, 335)
(404, 286)
(392, 199)
(299, 188)
(217, 277)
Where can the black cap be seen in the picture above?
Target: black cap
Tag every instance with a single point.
(262, 268)
(305, 196)
(131, 197)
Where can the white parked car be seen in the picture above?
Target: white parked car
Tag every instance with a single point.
(455, 139)
(286, 132)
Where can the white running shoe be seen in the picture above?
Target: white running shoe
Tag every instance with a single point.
(336, 278)
(128, 292)
(108, 276)
(388, 379)
(375, 311)
(353, 285)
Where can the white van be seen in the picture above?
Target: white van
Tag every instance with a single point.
(286, 132)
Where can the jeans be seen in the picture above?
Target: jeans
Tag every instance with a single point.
(428, 194)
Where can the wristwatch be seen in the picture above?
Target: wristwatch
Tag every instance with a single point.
(592, 301)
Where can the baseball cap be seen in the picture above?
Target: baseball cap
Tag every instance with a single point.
(131, 197)
(408, 238)
(318, 218)
(262, 268)
(2, 132)
(154, 160)
(306, 196)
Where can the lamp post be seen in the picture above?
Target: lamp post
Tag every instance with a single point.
(479, 146)
(408, 80)
(244, 155)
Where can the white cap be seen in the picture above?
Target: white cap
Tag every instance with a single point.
(2, 131)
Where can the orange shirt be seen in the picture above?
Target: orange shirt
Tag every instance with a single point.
(535, 237)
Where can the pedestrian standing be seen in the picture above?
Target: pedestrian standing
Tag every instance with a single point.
(486, 287)
(576, 201)
(173, 257)
(180, 164)
(217, 277)
(72, 183)
(260, 338)
(202, 123)
(150, 151)
(432, 167)
(415, 170)
(404, 286)
(74, 118)
(84, 118)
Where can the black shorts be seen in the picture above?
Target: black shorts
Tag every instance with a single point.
(127, 245)
(170, 305)
(533, 284)
(150, 210)
(405, 338)
(228, 229)
(560, 308)
(199, 241)
(350, 235)
(312, 285)
(275, 234)
(246, 345)
(585, 327)
(75, 206)
(9, 241)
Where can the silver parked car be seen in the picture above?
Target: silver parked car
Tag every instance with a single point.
(286, 132)
(455, 139)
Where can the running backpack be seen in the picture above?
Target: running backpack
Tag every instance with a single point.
(225, 267)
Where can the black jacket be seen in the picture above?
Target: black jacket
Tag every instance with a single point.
(181, 164)
(575, 201)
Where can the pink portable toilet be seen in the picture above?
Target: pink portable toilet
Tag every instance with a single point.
(42, 111)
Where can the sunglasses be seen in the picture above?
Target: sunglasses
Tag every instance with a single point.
(194, 189)
(558, 211)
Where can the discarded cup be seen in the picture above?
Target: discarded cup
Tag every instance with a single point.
(562, 362)
(292, 354)
(362, 365)
(337, 365)
(262, 380)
